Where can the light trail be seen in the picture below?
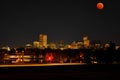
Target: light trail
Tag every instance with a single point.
(47, 64)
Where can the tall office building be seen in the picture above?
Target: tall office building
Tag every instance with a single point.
(85, 38)
(86, 41)
(43, 40)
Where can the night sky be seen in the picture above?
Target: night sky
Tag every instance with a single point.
(22, 22)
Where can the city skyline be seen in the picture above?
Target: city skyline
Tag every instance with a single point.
(22, 22)
(43, 43)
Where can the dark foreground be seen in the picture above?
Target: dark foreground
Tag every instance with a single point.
(74, 72)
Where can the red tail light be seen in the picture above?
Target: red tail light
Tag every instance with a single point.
(81, 54)
(49, 57)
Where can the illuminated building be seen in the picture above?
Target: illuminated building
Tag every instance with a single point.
(86, 42)
(68, 46)
(107, 45)
(85, 38)
(52, 45)
(96, 44)
(36, 44)
(80, 44)
(74, 45)
(28, 46)
(6, 48)
(117, 47)
(43, 40)
(60, 44)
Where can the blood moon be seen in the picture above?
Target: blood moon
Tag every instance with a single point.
(100, 5)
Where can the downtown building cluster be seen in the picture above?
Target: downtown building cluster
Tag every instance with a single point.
(41, 51)
(42, 43)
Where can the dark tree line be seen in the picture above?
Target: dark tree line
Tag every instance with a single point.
(102, 56)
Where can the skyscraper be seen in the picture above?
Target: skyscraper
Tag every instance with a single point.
(86, 41)
(43, 40)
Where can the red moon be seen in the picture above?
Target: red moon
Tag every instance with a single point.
(100, 5)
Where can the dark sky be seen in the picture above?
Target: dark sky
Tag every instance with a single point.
(22, 22)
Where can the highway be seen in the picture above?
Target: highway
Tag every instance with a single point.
(47, 64)
(75, 71)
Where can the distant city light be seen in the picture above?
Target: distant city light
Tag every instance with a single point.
(6, 48)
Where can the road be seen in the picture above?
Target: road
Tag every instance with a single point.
(49, 64)
(75, 71)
